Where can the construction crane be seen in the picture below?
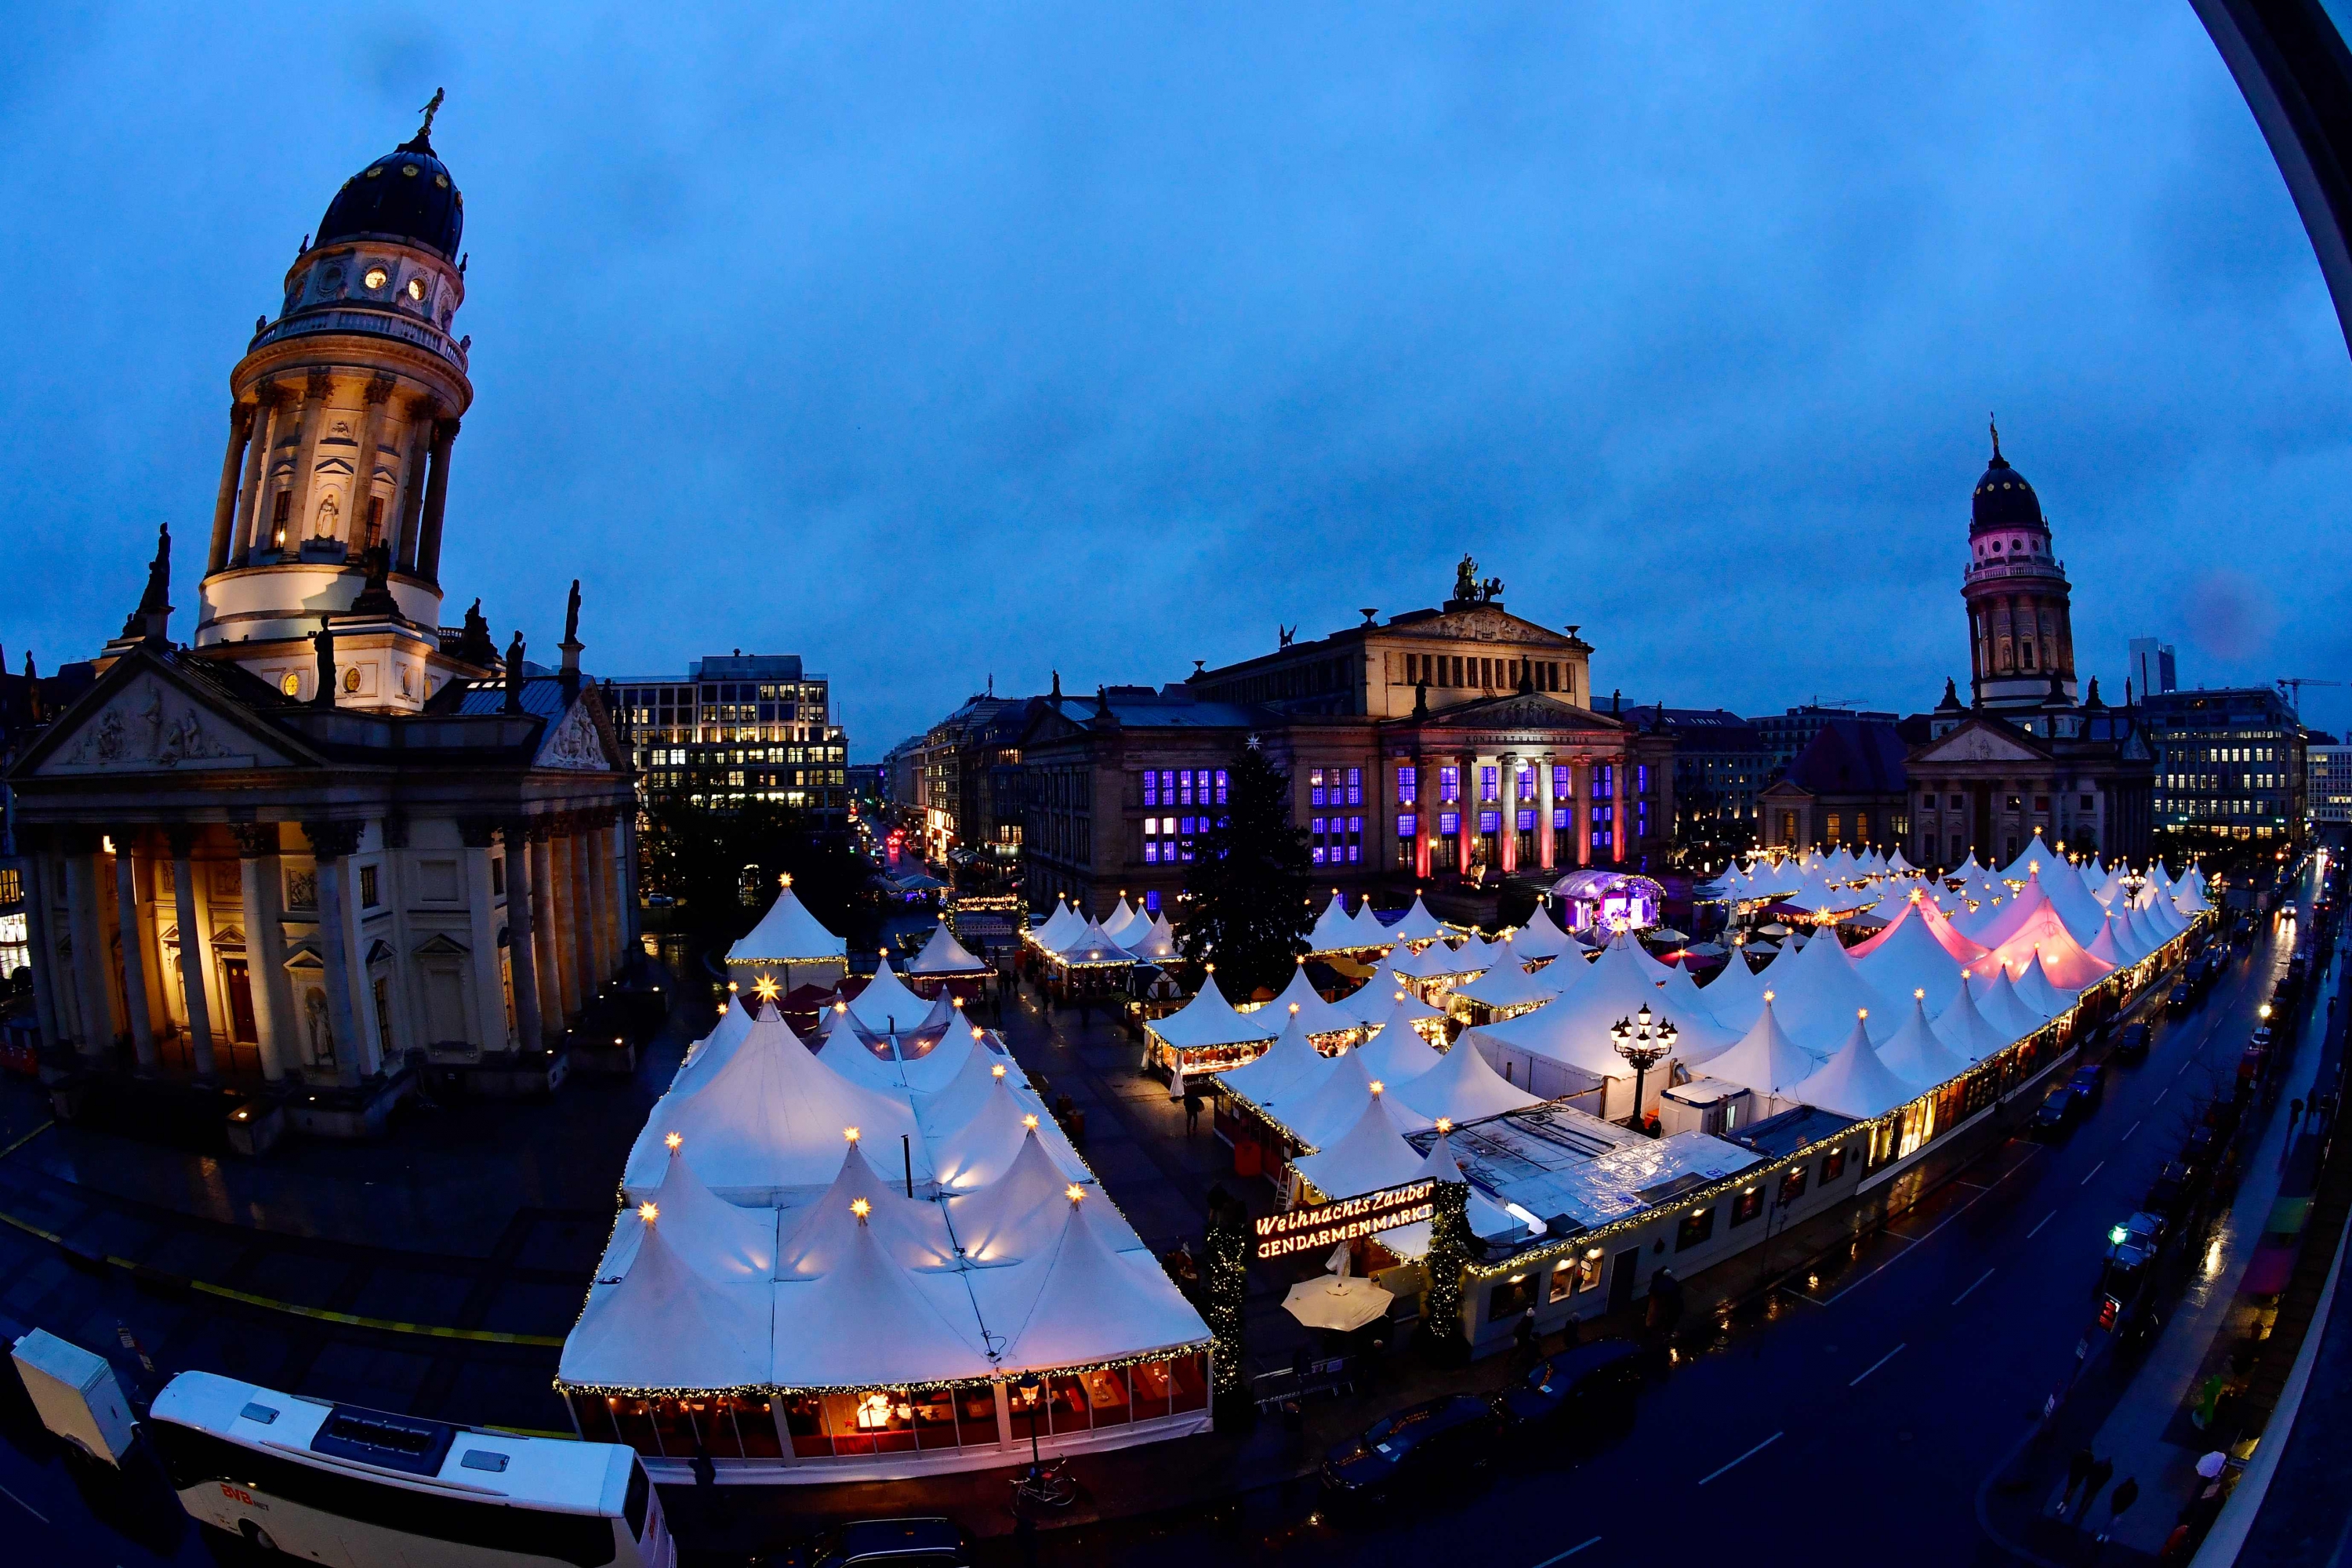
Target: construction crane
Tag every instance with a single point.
(2291, 687)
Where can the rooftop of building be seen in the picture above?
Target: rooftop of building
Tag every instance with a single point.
(1574, 1171)
(1851, 756)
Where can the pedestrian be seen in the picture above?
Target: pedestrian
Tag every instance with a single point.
(2093, 1483)
(1524, 1338)
(1192, 1111)
(2078, 1469)
(2294, 1116)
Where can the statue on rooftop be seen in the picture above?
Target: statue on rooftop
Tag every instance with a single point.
(1465, 578)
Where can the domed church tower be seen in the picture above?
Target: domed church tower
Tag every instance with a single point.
(336, 473)
(2021, 634)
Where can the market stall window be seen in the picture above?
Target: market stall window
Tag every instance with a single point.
(632, 1419)
(1151, 1385)
(1792, 1184)
(1510, 1298)
(1832, 1166)
(1747, 1205)
(975, 1407)
(1695, 1228)
(1065, 1405)
(1107, 1392)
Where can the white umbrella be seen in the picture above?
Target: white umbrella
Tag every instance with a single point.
(1340, 1304)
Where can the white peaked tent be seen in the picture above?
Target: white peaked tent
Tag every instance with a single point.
(1486, 1218)
(1209, 1021)
(1766, 1061)
(1315, 1015)
(950, 1105)
(786, 935)
(768, 1121)
(1769, 878)
(981, 1150)
(1418, 925)
(1998, 922)
(1682, 998)
(1335, 930)
(2112, 890)
(1397, 1052)
(1270, 1076)
(1461, 1088)
(1736, 994)
(1322, 1118)
(2112, 945)
(1509, 986)
(712, 1051)
(2188, 896)
(731, 1246)
(1370, 1155)
(1370, 932)
(1574, 1029)
(2036, 854)
(1091, 945)
(1541, 938)
(2039, 991)
(1963, 1027)
(816, 1238)
(2002, 1007)
(1904, 958)
(1057, 927)
(1819, 992)
(1855, 1082)
(943, 956)
(2043, 933)
(886, 1004)
(1013, 1218)
(1436, 961)
(1121, 916)
(864, 1323)
(1917, 1055)
(1967, 871)
(1157, 945)
(1898, 865)
(628, 1335)
(1375, 999)
(1093, 1303)
(1930, 915)
(2072, 901)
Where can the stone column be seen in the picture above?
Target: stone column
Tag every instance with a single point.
(136, 1008)
(240, 433)
(422, 416)
(93, 993)
(1507, 838)
(331, 842)
(606, 864)
(265, 942)
(624, 839)
(523, 956)
(379, 393)
(437, 497)
(1620, 783)
(579, 917)
(183, 836)
(1580, 774)
(1465, 820)
(40, 933)
(1425, 808)
(545, 949)
(249, 520)
(596, 900)
(315, 393)
(1546, 848)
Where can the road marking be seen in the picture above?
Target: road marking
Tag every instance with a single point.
(1743, 1459)
(2095, 1170)
(2127, 1137)
(1874, 1366)
(2037, 1228)
(20, 1502)
(2161, 1094)
(1564, 1556)
(1971, 1290)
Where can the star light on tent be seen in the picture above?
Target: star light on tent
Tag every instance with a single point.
(849, 1134)
(673, 1140)
(860, 1207)
(1074, 1192)
(649, 1211)
(767, 989)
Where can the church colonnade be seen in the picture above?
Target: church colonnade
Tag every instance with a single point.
(1511, 810)
(325, 950)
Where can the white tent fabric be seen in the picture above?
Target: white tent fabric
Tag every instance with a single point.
(2039, 991)
(730, 1246)
(2081, 912)
(2034, 855)
(1335, 929)
(1015, 1217)
(1369, 1156)
(1375, 999)
(1092, 1302)
(627, 1335)
(1855, 1082)
(2043, 933)
(1057, 928)
(1396, 1052)
(1418, 925)
(943, 955)
(712, 1051)
(1917, 1056)
(1541, 938)
(1369, 932)
(2009, 917)
(1898, 865)
(1508, 984)
(788, 933)
(2112, 945)
(1963, 1027)
(1736, 994)
(1121, 916)
(1269, 1076)
(770, 1119)
(866, 1323)
(942, 1110)
(885, 1003)
(982, 1149)
(1819, 992)
(1315, 1015)
(2002, 1007)
(1208, 1019)
(1765, 1060)
(1461, 1088)
(1157, 945)
(1573, 1029)
(1434, 961)
(1904, 958)
(816, 1236)
(1322, 1118)
(1091, 944)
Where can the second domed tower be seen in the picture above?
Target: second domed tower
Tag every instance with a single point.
(2021, 630)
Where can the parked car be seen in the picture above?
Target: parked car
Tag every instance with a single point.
(2166, 1194)
(1577, 1387)
(885, 1544)
(2056, 1112)
(1435, 1439)
(2131, 1041)
(2197, 1154)
(2085, 1085)
(2177, 1004)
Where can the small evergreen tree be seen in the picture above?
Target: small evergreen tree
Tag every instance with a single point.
(1224, 1290)
(1449, 1255)
(1245, 894)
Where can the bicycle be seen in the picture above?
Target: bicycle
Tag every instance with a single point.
(1045, 1486)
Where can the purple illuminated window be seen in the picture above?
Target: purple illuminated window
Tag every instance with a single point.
(1355, 787)
(1449, 823)
(1150, 787)
(1408, 787)
(1489, 784)
(1449, 785)
(1488, 821)
(1527, 820)
(1408, 826)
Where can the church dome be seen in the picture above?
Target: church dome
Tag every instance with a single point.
(405, 195)
(2003, 498)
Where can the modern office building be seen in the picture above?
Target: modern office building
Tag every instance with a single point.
(1786, 734)
(2230, 760)
(1721, 763)
(2153, 671)
(738, 727)
(2327, 784)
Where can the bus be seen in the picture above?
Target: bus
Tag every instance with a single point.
(337, 1484)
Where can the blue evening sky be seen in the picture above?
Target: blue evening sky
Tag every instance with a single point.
(937, 342)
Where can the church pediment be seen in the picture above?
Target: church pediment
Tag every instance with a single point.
(1483, 623)
(152, 724)
(1521, 710)
(1977, 742)
(572, 743)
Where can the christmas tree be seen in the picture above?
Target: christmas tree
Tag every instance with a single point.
(1245, 896)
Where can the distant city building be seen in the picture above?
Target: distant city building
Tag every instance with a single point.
(1786, 734)
(2230, 760)
(2327, 787)
(2153, 671)
(1440, 745)
(965, 770)
(1846, 787)
(2024, 754)
(740, 727)
(1721, 762)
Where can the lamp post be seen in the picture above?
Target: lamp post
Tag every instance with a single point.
(1644, 1042)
